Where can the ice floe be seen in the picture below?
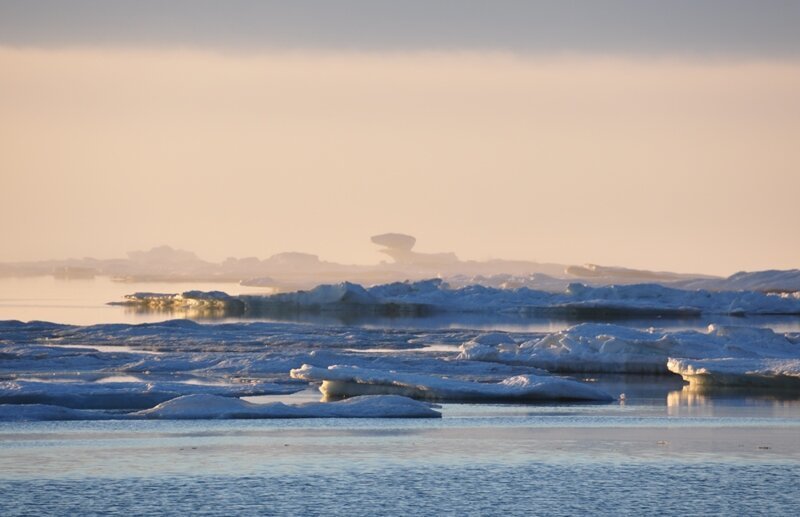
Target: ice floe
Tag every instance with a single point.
(204, 407)
(215, 407)
(348, 381)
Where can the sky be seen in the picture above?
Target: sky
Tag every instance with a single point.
(659, 135)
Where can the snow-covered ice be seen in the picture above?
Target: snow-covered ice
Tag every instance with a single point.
(347, 381)
(215, 407)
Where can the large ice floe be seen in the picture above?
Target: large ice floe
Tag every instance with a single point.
(431, 296)
(348, 381)
(214, 407)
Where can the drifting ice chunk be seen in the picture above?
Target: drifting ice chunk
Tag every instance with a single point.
(214, 407)
(347, 381)
(768, 373)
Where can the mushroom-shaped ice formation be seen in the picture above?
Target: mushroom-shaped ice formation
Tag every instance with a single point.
(398, 241)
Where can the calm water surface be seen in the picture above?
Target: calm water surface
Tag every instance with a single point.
(477, 460)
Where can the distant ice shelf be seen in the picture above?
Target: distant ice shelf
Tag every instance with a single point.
(434, 296)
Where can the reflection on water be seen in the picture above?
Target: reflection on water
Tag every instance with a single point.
(694, 400)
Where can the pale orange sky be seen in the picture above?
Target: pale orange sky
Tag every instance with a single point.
(687, 164)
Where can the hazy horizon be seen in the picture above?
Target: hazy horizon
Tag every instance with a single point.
(615, 133)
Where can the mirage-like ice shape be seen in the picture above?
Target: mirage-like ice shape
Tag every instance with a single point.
(214, 407)
(730, 372)
(121, 395)
(616, 349)
(606, 275)
(770, 280)
(348, 381)
(185, 300)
